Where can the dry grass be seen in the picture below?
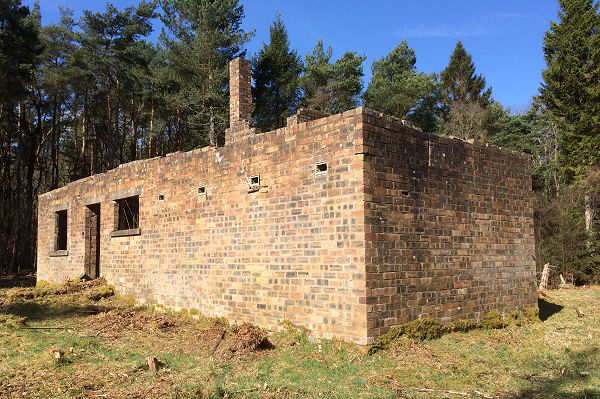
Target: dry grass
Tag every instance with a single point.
(105, 342)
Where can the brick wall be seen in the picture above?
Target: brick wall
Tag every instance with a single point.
(402, 225)
(449, 226)
(291, 249)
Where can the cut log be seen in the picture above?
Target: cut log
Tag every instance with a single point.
(152, 363)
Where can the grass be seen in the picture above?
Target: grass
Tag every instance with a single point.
(105, 342)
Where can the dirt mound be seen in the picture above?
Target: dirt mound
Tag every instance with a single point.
(78, 285)
(238, 340)
(119, 322)
(247, 337)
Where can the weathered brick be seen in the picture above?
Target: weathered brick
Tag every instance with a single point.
(402, 225)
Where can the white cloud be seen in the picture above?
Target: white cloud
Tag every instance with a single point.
(483, 25)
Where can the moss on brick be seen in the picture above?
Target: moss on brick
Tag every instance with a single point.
(532, 315)
(492, 320)
(425, 329)
(420, 329)
(462, 325)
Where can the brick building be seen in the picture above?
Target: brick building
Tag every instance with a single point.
(348, 224)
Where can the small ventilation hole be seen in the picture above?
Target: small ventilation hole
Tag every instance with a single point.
(201, 190)
(161, 197)
(321, 168)
(255, 180)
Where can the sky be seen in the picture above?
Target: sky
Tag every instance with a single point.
(504, 37)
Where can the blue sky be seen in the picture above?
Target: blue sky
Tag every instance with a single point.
(504, 37)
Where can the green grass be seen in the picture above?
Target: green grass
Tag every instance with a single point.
(104, 354)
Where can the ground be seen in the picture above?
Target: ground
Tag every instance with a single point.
(78, 340)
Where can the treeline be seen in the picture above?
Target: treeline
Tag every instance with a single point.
(82, 96)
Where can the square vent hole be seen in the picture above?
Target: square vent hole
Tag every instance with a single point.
(201, 190)
(321, 168)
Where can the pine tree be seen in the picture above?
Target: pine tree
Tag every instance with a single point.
(331, 88)
(276, 70)
(571, 88)
(112, 52)
(54, 78)
(396, 87)
(202, 36)
(20, 46)
(318, 72)
(465, 101)
(459, 82)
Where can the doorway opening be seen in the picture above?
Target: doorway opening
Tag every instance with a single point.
(92, 241)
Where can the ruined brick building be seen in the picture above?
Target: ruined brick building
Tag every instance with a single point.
(348, 224)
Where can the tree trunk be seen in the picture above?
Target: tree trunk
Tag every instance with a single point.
(83, 130)
(212, 135)
(111, 138)
(151, 131)
(134, 133)
(53, 146)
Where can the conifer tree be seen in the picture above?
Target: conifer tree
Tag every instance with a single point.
(318, 71)
(571, 88)
(20, 46)
(54, 78)
(331, 87)
(111, 51)
(276, 70)
(460, 83)
(465, 101)
(396, 87)
(203, 36)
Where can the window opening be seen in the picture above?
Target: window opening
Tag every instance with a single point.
(128, 213)
(60, 243)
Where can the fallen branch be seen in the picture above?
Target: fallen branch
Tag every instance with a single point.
(450, 392)
(46, 328)
(245, 390)
(441, 390)
(218, 342)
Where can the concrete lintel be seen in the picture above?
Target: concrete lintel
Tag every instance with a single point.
(62, 252)
(125, 193)
(58, 207)
(93, 200)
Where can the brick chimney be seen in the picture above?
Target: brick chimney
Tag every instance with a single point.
(240, 105)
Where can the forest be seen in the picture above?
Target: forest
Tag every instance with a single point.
(91, 92)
